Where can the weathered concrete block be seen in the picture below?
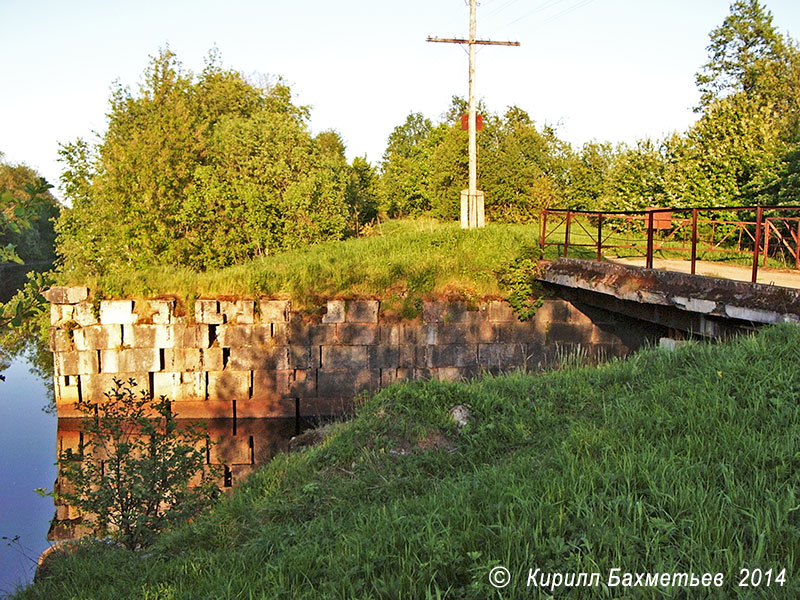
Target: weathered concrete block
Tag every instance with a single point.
(60, 341)
(362, 311)
(358, 333)
(265, 408)
(264, 359)
(180, 387)
(449, 312)
(346, 383)
(413, 334)
(184, 359)
(390, 334)
(501, 355)
(66, 295)
(453, 355)
(75, 363)
(66, 390)
(454, 373)
(388, 377)
(228, 385)
(304, 384)
(162, 311)
(552, 310)
(61, 314)
(244, 335)
(465, 333)
(239, 311)
(501, 312)
(304, 357)
(383, 356)
(94, 387)
(203, 409)
(326, 406)
(519, 332)
(230, 450)
(212, 359)
(150, 336)
(208, 312)
(344, 357)
(411, 356)
(336, 310)
(117, 312)
(569, 333)
(98, 337)
(84, 314)
(303, 334)
(274, 311)
(138, 360)
(271, 385)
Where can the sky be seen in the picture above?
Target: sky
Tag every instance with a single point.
(605, 70)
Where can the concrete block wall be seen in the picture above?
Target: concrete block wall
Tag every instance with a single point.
(258, 358)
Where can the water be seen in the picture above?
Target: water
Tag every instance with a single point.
(27, 462)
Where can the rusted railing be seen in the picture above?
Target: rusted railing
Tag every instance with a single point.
(759, 231)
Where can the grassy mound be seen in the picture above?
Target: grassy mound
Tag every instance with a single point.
(406, 261)
(662, 463)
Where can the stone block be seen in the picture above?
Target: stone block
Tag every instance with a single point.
(180, 387)
(336, 311)
(228, 385)
(453, 355)
(98, 337)
(75, 363)
(151, 336)
(326, 406)
(569, 333)
(208, 312)
(212, 359)
(344, 357)
(304, 357)
(66, 390)
(346, 383)
(358, 334)
(274, 311)
(117, 312)
(60, 341)
(163, 311)
(61, 314)
(388, 377)
(230, 450)
(449, 312)
(413, 334)
(66, 295)
(271, 385)
(304, 383)
(315, 334)
(203, 409)
(183, 359)
(390, 334)
(361, 311)
(552, 310)
(265, 359)
(94, 387)
(238, 311)
(84, 314)
(503, 356)
(232, 336)
(501, 312)
(465, 333)
(519, 332)
(137, 360)
(383, 356)
(411, 356)
(265, 408)
(454, 373)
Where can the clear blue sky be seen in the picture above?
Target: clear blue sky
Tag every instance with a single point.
(613, 70)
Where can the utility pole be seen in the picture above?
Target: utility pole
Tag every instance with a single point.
(472, 199)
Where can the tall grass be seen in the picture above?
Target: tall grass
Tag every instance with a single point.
(408, 260)
(666, 462)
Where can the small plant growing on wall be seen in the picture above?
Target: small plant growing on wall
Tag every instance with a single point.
(137, 471)
(518, 279)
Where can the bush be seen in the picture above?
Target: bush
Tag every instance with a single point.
(132, 477)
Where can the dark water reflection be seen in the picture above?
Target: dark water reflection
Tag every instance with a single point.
(238, 448)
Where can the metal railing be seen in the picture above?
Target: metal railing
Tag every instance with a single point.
(758, 231)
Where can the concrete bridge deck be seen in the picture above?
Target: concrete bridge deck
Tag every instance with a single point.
(701, 305)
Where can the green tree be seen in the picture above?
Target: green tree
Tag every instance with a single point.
(138, 472)
(200, 171)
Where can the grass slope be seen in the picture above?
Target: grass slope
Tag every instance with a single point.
(666, 462)
(409, 260)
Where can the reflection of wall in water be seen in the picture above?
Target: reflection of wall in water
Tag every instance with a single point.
(239, 447)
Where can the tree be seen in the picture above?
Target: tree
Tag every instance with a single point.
(133, 476)
(748, 55)
(199, 171)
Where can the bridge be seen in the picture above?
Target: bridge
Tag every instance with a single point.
(653, 265)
